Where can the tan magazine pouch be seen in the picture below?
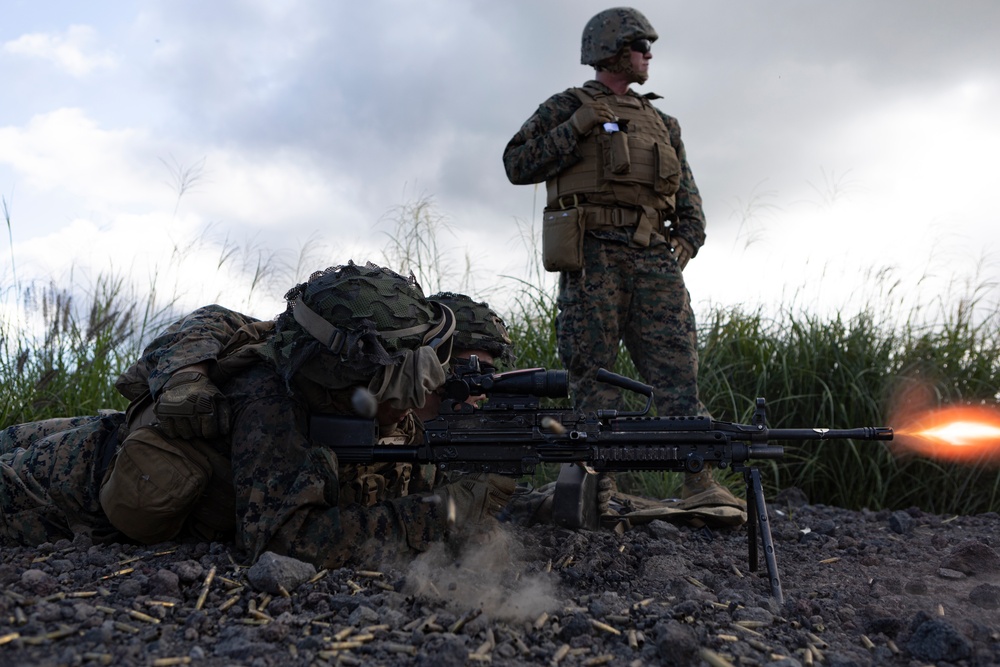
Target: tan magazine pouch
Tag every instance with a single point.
(562, 239)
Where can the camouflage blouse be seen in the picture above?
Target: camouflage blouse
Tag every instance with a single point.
(546, 144)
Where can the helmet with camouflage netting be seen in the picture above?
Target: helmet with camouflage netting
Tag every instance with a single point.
(477, 326)
(609, 31)
(347, 323)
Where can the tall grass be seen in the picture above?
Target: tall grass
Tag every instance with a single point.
(843, 373)
(61, 351)
(834, 372)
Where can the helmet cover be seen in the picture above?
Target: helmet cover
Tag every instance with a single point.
(350, 321)
(477, 326)
(608, 32)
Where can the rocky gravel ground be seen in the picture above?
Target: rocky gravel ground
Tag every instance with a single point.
(860, 588)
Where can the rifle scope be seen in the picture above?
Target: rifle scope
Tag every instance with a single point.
(537, 382)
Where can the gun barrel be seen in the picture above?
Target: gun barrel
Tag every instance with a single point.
(861, 433)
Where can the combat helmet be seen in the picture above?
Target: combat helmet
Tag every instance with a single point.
(354, 324)
(609, 31)
(477, 326)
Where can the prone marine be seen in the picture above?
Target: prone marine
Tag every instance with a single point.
(215, 442)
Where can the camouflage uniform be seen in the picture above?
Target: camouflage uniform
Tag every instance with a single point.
(624, 293)
(202, 337)
(287, 493)
(49, 479)
(199, 337)
(52, 470)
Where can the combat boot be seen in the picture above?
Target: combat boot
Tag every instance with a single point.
(704, 485)
(699, 482)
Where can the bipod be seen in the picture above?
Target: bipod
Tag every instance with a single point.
(757, 521)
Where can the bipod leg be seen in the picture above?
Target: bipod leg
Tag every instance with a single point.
(751, 522)
(760, 508)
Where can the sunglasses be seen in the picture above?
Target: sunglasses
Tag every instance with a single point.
(642, 46)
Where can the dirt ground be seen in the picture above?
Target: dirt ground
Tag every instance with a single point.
(860, 588)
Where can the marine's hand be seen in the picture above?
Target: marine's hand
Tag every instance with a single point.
(683, 251)
(190, 406)
(587, 117)
(476, 497)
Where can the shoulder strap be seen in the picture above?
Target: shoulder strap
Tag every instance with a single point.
(585, 94)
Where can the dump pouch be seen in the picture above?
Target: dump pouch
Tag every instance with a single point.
(153, 484)
(562, 239)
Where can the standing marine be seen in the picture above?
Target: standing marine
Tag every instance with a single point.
(623, 217)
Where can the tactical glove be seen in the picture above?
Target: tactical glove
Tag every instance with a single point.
(587, 117)
(683, 251)
(190, 406)
(475, 498)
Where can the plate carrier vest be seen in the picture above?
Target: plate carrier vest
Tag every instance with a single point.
(645, 179)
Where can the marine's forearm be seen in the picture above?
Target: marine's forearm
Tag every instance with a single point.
(535, 159)
(197, 338)
(546, 143)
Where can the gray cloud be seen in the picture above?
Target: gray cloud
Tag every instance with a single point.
(389, 92)
(391, 99)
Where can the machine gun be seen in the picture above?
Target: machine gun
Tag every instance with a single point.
(510, 433)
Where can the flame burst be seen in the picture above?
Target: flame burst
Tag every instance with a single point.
(959, 434)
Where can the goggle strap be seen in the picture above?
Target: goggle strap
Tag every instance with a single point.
(333, 338)
(317, 327)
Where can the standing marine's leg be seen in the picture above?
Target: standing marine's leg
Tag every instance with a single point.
(660, 332)
(591, 304)
(662, 338)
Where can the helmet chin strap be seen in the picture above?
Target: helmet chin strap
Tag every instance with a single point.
(441, 337)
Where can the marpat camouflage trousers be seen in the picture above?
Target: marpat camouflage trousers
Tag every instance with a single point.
(48, 479)
(636, 296)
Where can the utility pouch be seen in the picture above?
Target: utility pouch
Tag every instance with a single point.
(620, 160)
(562, 239)
(668, 169)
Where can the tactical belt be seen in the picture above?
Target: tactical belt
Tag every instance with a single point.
(647, 221)
(600, 217)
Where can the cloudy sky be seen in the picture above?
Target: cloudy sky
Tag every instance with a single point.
(844, 149)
